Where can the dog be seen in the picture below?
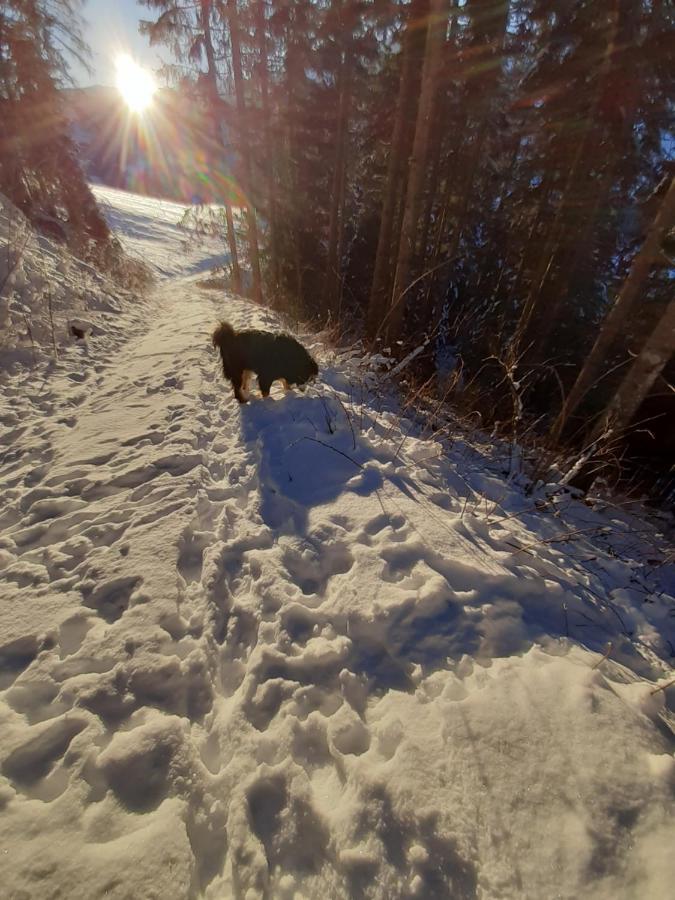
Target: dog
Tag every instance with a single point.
(272, 357)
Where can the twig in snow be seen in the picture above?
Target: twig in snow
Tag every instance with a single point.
(599, 625)
(15, 250)
(326, 412)
(514, 515)
(409, 401)
(348, 418)
(497, 503)
(431, 417)
(604, 656)
(307, 418)
(563, 538)
(662, 687)
(324, 444)
(29, 332)
(516, 387)
(409, 358)
(51, 322)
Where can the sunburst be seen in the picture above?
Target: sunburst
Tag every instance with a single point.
(135, 84)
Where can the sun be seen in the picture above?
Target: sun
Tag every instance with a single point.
(135, 84)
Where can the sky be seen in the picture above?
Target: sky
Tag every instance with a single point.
(111, 29)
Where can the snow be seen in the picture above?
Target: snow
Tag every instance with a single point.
(299, 648)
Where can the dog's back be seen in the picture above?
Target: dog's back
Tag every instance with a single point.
(259, 347)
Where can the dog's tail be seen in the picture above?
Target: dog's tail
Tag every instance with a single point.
(222, 335)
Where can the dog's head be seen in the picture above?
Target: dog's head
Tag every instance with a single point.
(309, 372)
(222, 334)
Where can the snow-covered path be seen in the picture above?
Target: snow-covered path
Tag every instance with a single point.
(273, 651)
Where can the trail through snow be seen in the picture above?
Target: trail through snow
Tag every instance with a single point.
(294, 650)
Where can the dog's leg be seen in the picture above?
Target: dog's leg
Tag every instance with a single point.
(238, 382)
(265, 385)
(247, 379)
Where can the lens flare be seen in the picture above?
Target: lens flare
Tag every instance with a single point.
(135, 84)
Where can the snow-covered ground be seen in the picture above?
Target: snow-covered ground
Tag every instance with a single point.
(297, 650)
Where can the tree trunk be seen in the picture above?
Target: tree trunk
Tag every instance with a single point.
(531, 333)
(293, 68)
(261, 33)
(232, 243)
(214, 103)
(333, 267)
(417, 166)
(646, 368)
(460, 220)
(488, 25)
(439, 107)
(631, 393)
(517, 224)
(432, 185)
(617, 316)
(397, 155)
(341, 235)
(245, 150)
(447, 191)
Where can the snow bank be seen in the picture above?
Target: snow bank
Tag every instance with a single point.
(295, 649)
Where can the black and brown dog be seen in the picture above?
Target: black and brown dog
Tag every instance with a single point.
(272, 357)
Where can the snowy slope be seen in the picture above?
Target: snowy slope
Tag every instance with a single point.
(297, 650)
(150, 234)
(44, 290)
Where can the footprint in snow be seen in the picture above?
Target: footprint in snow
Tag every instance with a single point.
(44, 744)
(111, 599)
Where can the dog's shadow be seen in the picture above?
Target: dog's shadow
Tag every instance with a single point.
(306, 456)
